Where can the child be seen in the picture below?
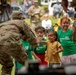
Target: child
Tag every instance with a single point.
(53, 48)
(65, 38)
(65, 15)
(28, 49)
(47, 23)
(40, 51)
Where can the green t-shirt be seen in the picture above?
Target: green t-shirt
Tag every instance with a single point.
(65, 38)
(41, 49)
(28, 49)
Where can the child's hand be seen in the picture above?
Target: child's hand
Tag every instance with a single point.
(39, 39)
(39, 59)
(35, 56)
(54, 53)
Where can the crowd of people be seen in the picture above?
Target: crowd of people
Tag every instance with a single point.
(39, 40)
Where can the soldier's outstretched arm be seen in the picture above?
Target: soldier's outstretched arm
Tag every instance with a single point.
(30, 36)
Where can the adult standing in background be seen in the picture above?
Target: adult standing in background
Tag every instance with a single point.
(57, 10)
(5, 11)
(65, 6)
(70, 11)
(24, 7)
(35, 12)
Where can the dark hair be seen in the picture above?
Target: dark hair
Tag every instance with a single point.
(55, 33)
(42, 28)
(75, 16)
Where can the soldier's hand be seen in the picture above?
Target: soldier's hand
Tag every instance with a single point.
(32, 14)
(37, 16)
(55, 53)
(37, 13)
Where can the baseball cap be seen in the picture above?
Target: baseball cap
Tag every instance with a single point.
(17, 15)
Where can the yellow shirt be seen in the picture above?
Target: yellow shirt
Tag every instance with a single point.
(58, 22)
(51, 48)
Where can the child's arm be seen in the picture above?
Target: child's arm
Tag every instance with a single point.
(39, 39)
(35, 56)
(60, 49)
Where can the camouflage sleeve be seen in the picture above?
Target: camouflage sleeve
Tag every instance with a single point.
(29, 11)
(30, 36)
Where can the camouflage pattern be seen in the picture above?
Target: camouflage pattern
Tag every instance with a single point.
(35, 13)
(74, 31)
(35, 25)
(17, 15)
(10, 33)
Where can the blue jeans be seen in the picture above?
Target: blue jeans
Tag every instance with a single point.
(71, 14)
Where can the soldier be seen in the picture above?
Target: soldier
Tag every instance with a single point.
(10, 46)
(35, 12)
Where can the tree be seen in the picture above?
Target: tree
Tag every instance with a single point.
(39, 2)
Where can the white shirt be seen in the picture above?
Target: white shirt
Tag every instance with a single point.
(71, 9)
(47, 24)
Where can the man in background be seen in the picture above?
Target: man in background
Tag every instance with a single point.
(35, 12)
(5, 11)
(65, 6)
(57, 10)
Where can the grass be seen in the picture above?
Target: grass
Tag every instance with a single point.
(0, 69)
(13, 70)
(28, 22)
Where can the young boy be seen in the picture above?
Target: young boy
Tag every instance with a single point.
(28, 49)
(40, 51)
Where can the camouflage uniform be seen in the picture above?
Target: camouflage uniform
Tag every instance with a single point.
(10, 47)
(74, 31)
(35, 13)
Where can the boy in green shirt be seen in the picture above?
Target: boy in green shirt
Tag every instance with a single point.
(28, 49)
(40, 51)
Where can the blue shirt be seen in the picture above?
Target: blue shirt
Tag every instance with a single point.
(57, 7)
